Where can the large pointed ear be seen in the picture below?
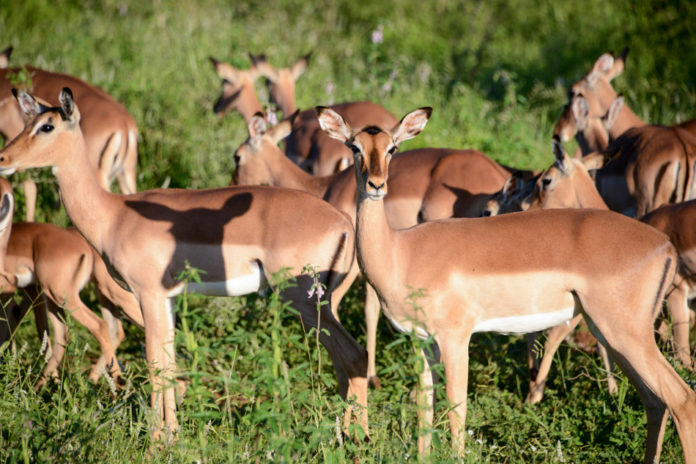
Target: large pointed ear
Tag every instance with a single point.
(257, 125)
(618, 65)
(609, 119)
(594, 161)
(411, 125)
(603, 65)
(30, 107)
(224, 70)
(333, 124)
(299, 67)
(261, 66)
(562, 160)
(5, 57)
(67, 104)
(581, 111)
(283, 128)
(512, 185)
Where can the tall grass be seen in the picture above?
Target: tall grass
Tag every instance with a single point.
(259, 389)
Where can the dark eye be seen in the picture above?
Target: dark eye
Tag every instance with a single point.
(545, 182)
(392, 150)
(46, 128)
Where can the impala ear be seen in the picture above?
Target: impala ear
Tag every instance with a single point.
(581, 111)
(257, 125)
(562, 160)
(5, 57)
(411, 125)
(602, 66)
(283, 128)
(67, 104)
(262, 67)
(30, 107)
(594, 161)
(618, 65)
(299, 67)
(609, 119)
(333, 124)
(512, 185)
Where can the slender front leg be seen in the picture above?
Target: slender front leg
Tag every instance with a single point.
(455, 356)
(425, 397)
(372, 313)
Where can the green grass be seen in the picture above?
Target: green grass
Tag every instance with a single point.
(496, 74)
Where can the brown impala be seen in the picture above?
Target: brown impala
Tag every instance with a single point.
(110, 132)
(237, 236)
(460, 189)
(517, 273)
(40, 257)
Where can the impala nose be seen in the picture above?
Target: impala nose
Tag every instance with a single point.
(375, 186)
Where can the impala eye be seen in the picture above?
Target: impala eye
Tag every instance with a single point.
(46, 128)
(392, 150)
(545, 182)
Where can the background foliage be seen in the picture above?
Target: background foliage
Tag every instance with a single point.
(496, 72)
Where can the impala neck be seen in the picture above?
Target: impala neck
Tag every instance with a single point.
(375, 242)
(626, 120)
(92, 209)
(288, 175)
(248, 104)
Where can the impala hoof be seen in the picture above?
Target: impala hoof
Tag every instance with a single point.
(374, 382)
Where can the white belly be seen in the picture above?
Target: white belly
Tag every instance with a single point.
(407, 327)
(25, 279)
(236, 286)
(527, 323)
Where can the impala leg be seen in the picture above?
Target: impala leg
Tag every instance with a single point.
(116, 335)
(679, 310)
(348, 357)
(455, 356)
(158, 330)
(659, 386)
(554, 339)
(29, 187)
(609, 368)
(425, 398)
(372, 312)
(60, 332)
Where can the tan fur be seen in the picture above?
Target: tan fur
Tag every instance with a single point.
(546, 259)
(149, 238)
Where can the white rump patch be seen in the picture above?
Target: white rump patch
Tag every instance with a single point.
(236, 286)
(527, 323)
(25, 279)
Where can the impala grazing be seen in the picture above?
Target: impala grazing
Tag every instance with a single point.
(38, 257)
(238, 237)
(517, 273)
(419, 186)
(111, 135)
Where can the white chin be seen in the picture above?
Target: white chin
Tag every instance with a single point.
(7, 171)
(376, 196)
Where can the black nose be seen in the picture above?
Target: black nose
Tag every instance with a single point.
(486, 213)
(376, 187)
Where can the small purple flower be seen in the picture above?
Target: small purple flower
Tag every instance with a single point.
(330, 87)
(378, 35)
(271, 117)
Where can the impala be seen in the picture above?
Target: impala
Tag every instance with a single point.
(110, 132)
(567, 184)
(554, 264)
(657, 161)
(416, 178)
(307, 145)
(40, 257)
(237, 236)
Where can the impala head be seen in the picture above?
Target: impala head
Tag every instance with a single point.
(373, 146)
(281, 81)
(596, 84)
(567, 183)
(592, 132)
(511, 198)
(46, 128)
(252, 158)
(237, 86)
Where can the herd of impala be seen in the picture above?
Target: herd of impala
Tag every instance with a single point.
(339, 198)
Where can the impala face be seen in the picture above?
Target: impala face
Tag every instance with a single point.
(373, 146)
(281, 81)
(596, 84)
(235, 84)
(46, 127)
